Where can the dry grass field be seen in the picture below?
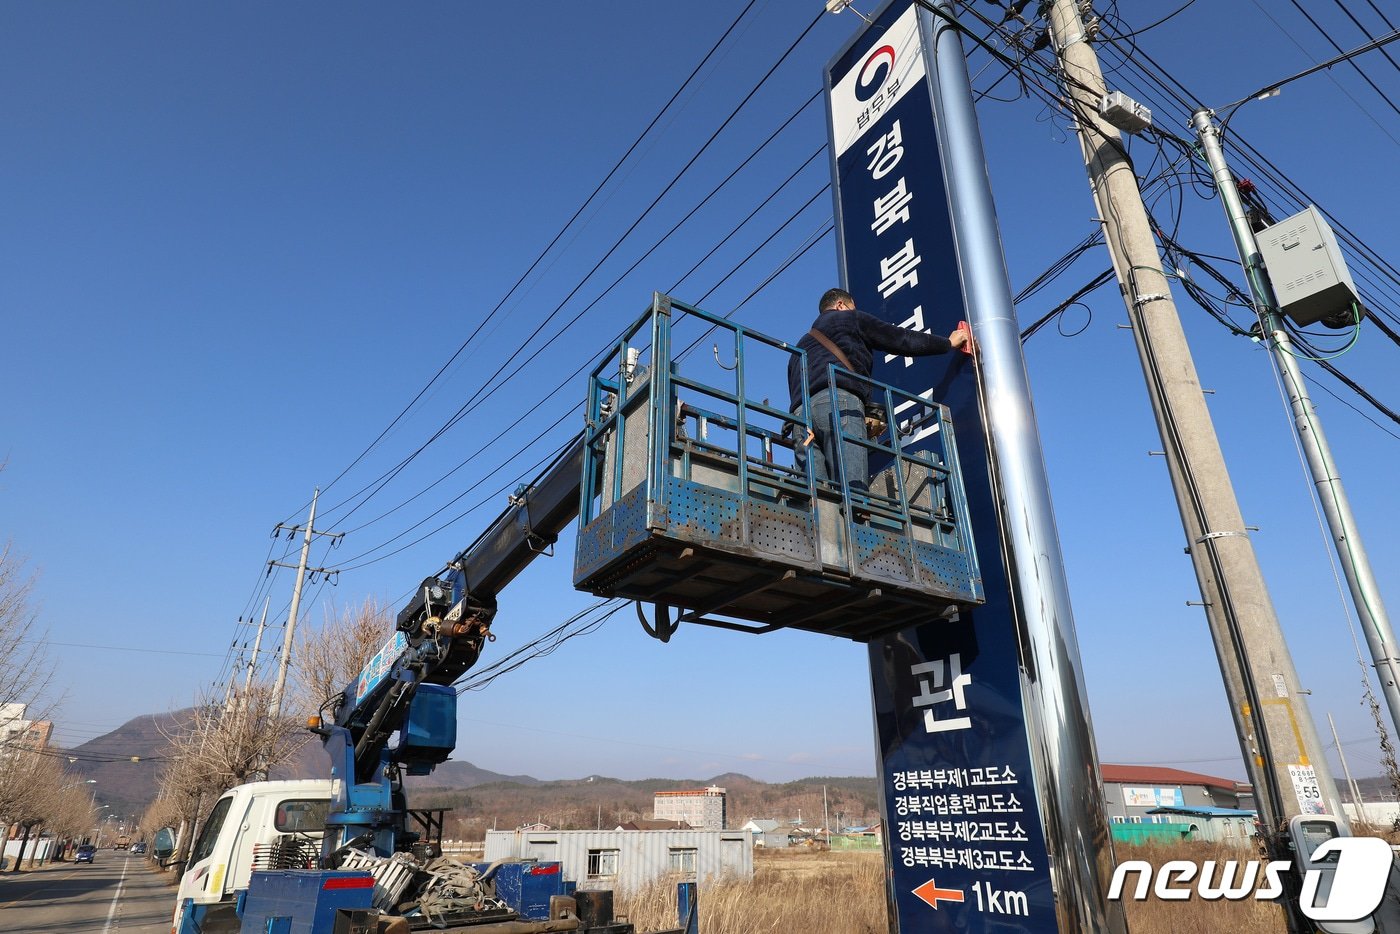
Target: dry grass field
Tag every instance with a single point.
(794, 890)
(1155, 916)
(799, 891)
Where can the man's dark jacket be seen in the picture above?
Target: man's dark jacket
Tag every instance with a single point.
(858, 335)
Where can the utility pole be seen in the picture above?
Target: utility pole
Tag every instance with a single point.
(1346, 537)
(309, 532)
(257, 644)
(826, 820)
(1282, 752)
(1351, 782)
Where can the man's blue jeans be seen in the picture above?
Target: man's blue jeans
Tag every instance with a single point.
(823, 448)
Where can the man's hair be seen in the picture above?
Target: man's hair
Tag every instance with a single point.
(831, 296)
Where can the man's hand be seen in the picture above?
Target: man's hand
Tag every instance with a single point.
(958, 338)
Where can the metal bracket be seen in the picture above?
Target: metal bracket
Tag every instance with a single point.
(1210, 535)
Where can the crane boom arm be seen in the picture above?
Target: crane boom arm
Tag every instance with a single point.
(441, 630)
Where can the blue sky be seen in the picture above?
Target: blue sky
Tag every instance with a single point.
(237, 240)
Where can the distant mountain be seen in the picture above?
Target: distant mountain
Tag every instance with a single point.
(455, 774)
(126, 763)
(1376, 788)
(125, 766)
(599, 801)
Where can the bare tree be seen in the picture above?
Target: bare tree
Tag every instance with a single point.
(23, 778)
(330, 656)
(25, 668)
(220, 745)
(42, 794)
(71, 814)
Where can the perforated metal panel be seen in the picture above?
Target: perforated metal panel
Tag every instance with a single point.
(782, 532)
(882, 555)
(729, 535)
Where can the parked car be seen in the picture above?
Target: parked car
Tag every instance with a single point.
(86, 853)
(139, 847)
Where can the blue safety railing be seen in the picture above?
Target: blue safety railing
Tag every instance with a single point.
(692, 494)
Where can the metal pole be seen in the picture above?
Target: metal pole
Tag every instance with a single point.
(1345, 536)
(286, 658)
(1062, 740)
(826, 820)
(687, 907)
(1351, 782)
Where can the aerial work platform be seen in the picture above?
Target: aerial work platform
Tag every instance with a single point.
(693, 498)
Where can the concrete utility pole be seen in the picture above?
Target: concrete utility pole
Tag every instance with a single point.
(1282, 752)
(1351, 782)
(309, 532)
(1365, 594)
(257, 645)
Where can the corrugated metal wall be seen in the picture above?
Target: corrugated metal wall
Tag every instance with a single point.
(643, 856)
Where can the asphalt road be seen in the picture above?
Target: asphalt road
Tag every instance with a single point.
(117, 894)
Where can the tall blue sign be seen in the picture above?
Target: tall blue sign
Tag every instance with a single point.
(963, 830)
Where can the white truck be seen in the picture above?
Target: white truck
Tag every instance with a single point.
(262, 825)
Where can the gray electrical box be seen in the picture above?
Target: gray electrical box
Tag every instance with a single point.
(1305, 265)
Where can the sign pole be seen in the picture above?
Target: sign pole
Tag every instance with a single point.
(1066, 759)
(988, 772)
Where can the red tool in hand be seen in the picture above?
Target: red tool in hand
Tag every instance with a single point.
(967, 345)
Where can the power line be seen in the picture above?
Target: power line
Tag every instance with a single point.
(132, 648)
(525, 275)
(465, 409)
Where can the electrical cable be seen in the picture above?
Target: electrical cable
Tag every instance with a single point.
(1264, 168)
(542, 645)
(379, 485)
(1344, 56)
(1181, 9)
(252, 600)
(347, 564)
(1094, 283)
(581, 208)
(1365, 32)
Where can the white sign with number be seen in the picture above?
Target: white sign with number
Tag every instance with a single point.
(1308, 791)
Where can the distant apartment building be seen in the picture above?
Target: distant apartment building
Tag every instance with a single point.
(704, 808)
(17, 730)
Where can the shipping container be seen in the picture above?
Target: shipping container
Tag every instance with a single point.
(626, 860)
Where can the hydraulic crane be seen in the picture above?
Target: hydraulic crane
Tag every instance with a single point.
(689, 497)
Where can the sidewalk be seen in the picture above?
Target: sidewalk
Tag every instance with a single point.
(29, 867)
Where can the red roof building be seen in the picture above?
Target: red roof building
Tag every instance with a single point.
(1132, 791)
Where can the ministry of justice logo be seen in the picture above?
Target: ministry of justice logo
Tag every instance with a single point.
(878, 66)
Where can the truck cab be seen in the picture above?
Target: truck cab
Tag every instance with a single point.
(260, 825)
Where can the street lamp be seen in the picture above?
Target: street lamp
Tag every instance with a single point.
(98, 842)
(77, 784)
(90, 781)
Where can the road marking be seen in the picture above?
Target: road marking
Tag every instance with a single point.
(112, 911)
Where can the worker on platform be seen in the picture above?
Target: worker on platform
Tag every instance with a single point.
(848, 337)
